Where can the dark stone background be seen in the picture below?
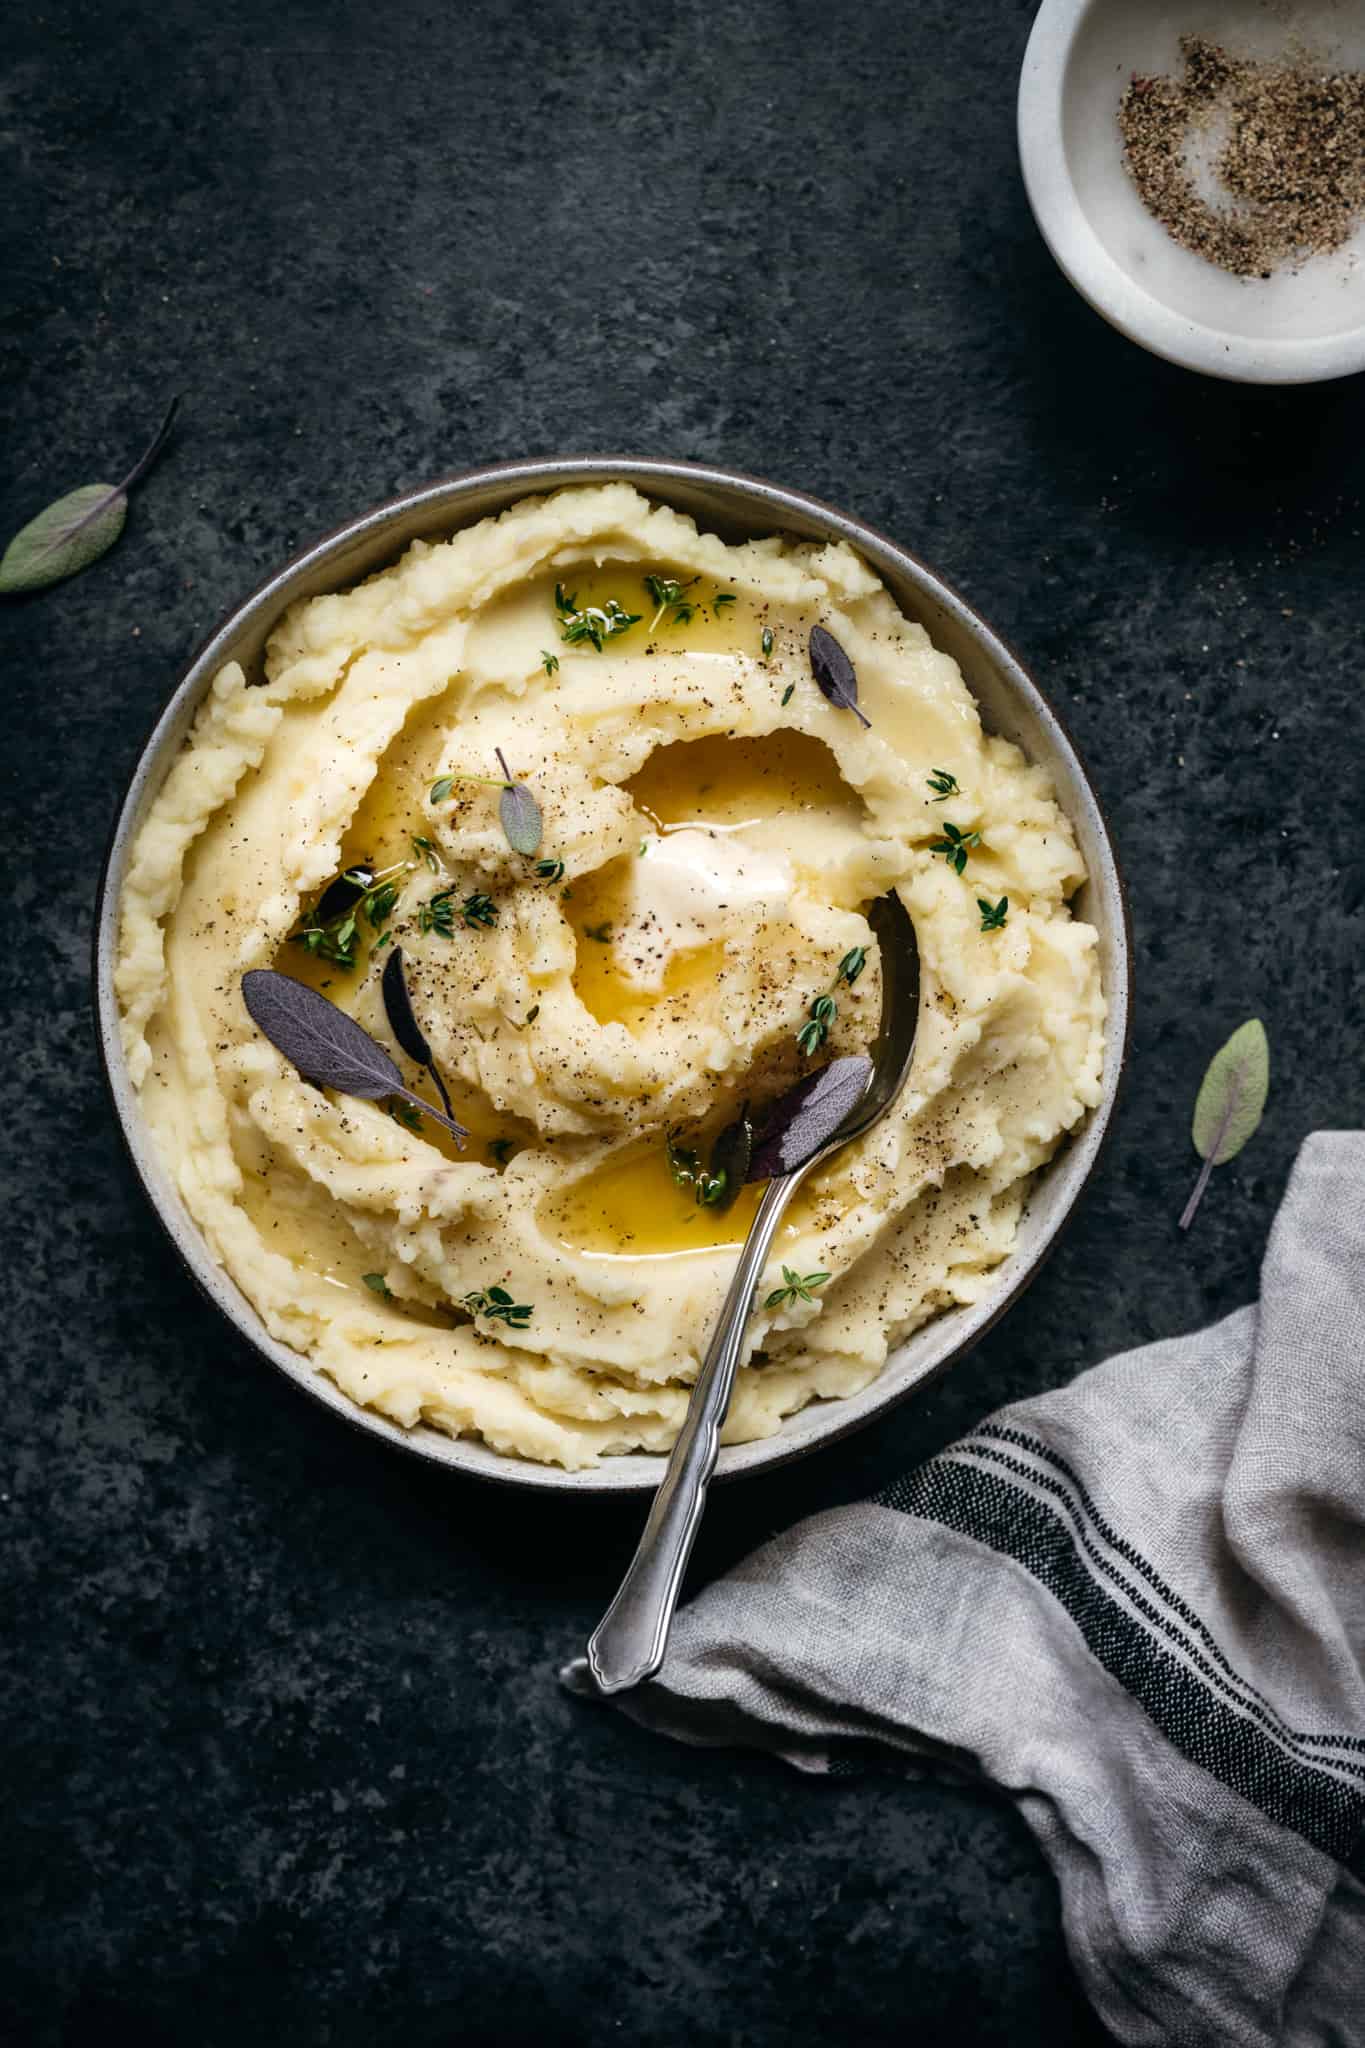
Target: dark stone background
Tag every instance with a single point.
(285, 1758)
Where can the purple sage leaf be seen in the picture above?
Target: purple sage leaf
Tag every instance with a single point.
(325, 1045)
(800, 1122)
(399, 1011)
(403, 1021)
(730, 1157)
(834, 672)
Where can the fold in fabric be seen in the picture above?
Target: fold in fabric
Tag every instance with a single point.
(1136, 1605)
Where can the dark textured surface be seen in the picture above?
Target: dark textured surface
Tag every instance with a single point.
(285, 1758)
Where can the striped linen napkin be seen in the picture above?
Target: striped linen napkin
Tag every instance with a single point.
(1137, 1606)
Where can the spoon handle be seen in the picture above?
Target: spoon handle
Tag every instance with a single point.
(628, 1643)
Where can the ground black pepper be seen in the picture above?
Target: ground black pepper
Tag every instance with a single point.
(1250, 165)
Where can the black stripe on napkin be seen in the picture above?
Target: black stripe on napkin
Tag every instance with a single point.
(1194, 1720)
(1044, 1453)
(1158, 1617)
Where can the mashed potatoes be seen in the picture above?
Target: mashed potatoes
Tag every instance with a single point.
(722, 829)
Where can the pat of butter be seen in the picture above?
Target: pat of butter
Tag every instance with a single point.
(688, 888)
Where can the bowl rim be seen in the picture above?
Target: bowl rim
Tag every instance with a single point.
(1103, 282)
(835, 1419)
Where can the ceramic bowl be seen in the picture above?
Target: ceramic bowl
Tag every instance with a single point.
(1297, 326)
(736, 507)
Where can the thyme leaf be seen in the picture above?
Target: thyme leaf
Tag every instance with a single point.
(595, 624)
(496, 1305)
(479, 909)
(823, 1011)
(333, 931)
(795, 1287)
(666, 593)
(437, 914)
(954, 846)
(716, 1186)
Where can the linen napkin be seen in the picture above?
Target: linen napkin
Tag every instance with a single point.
(1137, 1605)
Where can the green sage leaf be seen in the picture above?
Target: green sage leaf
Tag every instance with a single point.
(1232, 1095)
(1230, 1104)
(77, 529)
(521, 820)
(66, 538)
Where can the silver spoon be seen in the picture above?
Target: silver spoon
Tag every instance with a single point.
(629, 1642)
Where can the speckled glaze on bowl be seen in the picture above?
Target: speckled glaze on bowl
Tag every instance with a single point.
(737, 507)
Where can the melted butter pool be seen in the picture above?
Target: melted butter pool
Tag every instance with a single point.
(726, 784)
(632, 1208)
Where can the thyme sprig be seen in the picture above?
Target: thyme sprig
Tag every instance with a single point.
(438, 913)
(666, 593)
(441, 788)
(815, 1031)
(716, 1186)
(594, 623)
(993, 915)
(795, 1287)
(496, 1305)
(684, 1163)
(365, 895)
(955, 845)
(823, 1011)
(943, 785)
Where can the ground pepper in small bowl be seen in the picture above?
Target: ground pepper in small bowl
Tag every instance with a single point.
(1250, 165)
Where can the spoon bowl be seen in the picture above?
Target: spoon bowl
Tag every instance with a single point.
(894, 1046)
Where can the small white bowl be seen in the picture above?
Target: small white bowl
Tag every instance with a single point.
(1296, 327)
